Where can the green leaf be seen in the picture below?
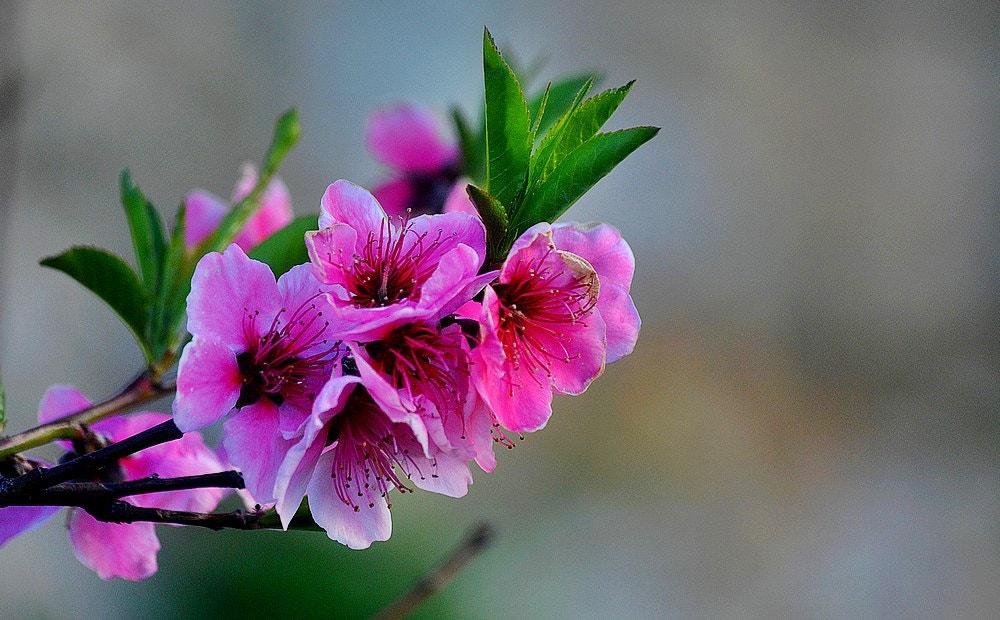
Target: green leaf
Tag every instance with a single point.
(576, 174)
(302, 520)
(581, 123)
(286, 133)
(111, 279)
(472, 144)
(286, 248)
(494, 218)
(508, 131)
(171, 297)
(561, 96)
(146, 228)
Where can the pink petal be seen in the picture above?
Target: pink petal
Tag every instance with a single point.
(584, 360)
(59, 401)
(452, 229)
(395, 197)
(407, 138)
(275, 210)
(112, 549)
(602, 245)
(388, 398)
(347, 203)
(331, 253)
(224, 290)
(16, 520)
(208, 384)
(458, 200)
(255, 446)
(358, 529)
(442, 474)
(202, 213)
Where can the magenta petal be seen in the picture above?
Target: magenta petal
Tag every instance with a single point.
(458, 200)
(16, 520)
(208, 384)
(202, 213)
(407, 138)
(225, 289)
(331, 252)
(585, 356)
(356, 529)
(347, 203)
(275, 213)
(621, 319)
(59, 401)
(388, 398)
(112, 549)
(293, 476)
(394, 196)
(255, 446)
(453, 229)
(442, 474)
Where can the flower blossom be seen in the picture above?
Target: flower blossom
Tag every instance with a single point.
(112, 550)
(381, 274)
(541, 331)
(203, 211)
(407, 138)
(261, 347)
(352, 454)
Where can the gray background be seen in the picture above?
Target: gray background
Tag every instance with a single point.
(808, 427)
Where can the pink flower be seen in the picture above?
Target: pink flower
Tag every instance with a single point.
(407, 138)
(603, 247)
(123, 550)
(541, 331)
(352, 455)
(262, 347)
(383, 275)
(204, 211)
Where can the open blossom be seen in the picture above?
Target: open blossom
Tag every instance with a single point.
(203, 211)
(261, 347)
(352, 454)
(123, 550)
(383, 273)
(406, 137)
(541, 331)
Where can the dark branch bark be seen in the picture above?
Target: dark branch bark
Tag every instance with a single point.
(45, 477)
(118, 511)
(81, 493)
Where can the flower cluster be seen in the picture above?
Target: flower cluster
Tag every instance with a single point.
(396, 356)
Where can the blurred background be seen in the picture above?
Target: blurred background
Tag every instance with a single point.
(808, 427)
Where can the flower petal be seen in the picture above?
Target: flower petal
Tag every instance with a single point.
(59, 401)
(356, 529)
(225, 289)
(347, 203)
(113, 549)
(202, 213)
(16, 520)
(395, 196)
(254, 444)
(407, 138)
(208, 384)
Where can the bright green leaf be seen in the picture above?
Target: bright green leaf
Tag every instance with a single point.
(111, 279)
(146, 228)
(494, 218)
(561, 96)
(576, 174)
(286, 248)
(508, 131)
(585, 120)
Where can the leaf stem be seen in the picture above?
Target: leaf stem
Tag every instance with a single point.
(145, 387)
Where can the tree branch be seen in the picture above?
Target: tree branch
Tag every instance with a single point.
(478, 539)
(81, 493)
(67, 427)
(118, 511)
(45, 477)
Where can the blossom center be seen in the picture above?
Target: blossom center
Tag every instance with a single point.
(425, 363)
(390, 266)
(289, 360)
(541, 302)
(367, 452)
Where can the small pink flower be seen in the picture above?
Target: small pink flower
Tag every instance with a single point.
(352, 455)
(203, 211)
(112, 550)
(382, 274)
(541, 331)
(262, 347)
(407, 138)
